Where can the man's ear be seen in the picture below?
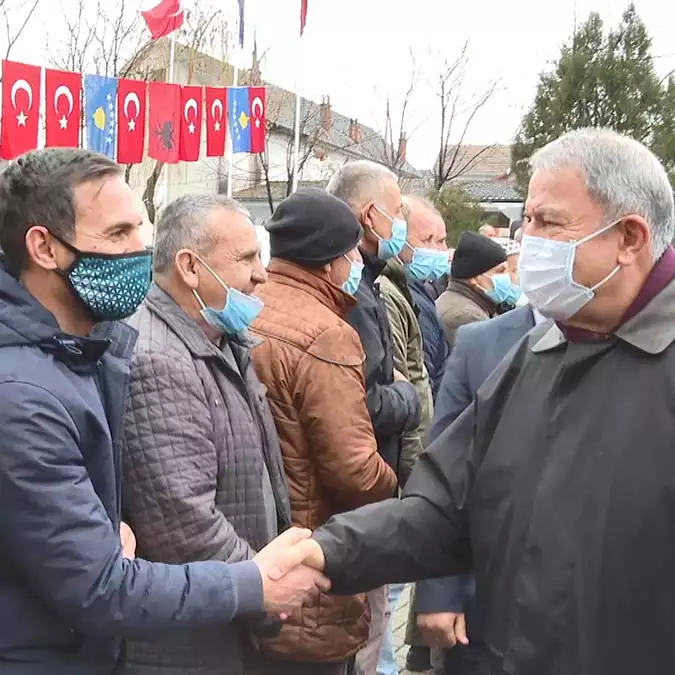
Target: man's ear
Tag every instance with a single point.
(365, 216)
(635, 238)
(42, 249)
(186, 265)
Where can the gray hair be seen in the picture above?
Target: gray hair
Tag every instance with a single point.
(419, 200)
(358, 182)
(622, 174)
(186, 223)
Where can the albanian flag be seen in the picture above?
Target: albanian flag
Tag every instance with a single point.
(164, 126)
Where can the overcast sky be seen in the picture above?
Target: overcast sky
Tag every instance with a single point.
(358, 51)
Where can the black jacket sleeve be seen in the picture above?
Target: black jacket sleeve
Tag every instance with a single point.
(449, 594)
(394, 407)
(422, 535)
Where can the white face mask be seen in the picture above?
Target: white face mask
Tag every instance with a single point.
(546, 272)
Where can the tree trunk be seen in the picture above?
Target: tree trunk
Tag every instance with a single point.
(149, 192)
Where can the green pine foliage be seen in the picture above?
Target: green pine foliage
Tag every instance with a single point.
(602, 79)
(458, 210)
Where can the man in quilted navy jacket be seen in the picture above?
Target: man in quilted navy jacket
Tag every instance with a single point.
(73, 257)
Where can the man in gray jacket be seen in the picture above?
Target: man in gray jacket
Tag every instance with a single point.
(203, 475)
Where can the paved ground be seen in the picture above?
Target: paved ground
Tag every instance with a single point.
(400, 620)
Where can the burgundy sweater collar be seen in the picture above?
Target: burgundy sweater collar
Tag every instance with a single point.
(661, 275)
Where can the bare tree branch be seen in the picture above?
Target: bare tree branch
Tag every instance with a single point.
(454, 160)
(13, 36)
(392, 153)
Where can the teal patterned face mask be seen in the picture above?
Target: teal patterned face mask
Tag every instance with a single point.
(111, 286)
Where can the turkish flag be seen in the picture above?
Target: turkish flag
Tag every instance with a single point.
(63, 108)
(258, 106)
(164, 18)
(190, 123)
(20, 108)
(164, 127)
(130, 121)
(216, 121)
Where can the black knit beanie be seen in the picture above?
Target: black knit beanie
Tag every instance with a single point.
(475, 255)
(312, 228)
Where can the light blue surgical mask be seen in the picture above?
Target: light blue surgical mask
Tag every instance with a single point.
(422, 264)
(390, 248)
(239, 312)
(504, 291)
(441, 265)
(427, 263)
(354, 279)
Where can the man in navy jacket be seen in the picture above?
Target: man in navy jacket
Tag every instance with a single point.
(443, 606)
(73, 257)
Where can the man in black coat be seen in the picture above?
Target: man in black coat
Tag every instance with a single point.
(555, 486)
(372, 192)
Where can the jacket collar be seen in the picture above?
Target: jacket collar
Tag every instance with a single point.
(395, 272)
(373, 267)
(188, 330)
(651, 330)
(319, 287)
(468, 291)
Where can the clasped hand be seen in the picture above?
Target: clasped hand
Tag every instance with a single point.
(290, 567)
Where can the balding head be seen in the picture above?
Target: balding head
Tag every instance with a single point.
(426, 227)
(488, 231)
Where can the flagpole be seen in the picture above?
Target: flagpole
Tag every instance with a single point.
(298, 101)
(172, 58)
(230, 144)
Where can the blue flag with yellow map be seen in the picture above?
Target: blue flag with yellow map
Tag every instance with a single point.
(100, 94)
(240, 118)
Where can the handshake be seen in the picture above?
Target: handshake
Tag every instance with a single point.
(290, 567)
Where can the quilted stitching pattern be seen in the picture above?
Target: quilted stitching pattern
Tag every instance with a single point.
(193, 465)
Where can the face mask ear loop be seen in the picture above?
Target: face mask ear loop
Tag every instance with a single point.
(613, 273)
(593, 235)
(199, 300)
(216, 277)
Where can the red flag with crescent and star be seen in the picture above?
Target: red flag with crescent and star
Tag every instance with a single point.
(20, 108)
(164, 18)
(63, 109)
(256, 97)
(190, 123)
(164, 122)
(216, 121)
(130, 121)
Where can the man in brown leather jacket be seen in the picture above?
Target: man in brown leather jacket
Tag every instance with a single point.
(312, 363)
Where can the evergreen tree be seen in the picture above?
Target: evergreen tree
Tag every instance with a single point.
(600, 80)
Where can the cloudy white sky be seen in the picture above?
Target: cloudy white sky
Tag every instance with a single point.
(358, 51)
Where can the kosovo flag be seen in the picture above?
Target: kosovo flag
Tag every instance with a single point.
(240, 119)
(100, 94)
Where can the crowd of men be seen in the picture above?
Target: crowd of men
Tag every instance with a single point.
(209, 467)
